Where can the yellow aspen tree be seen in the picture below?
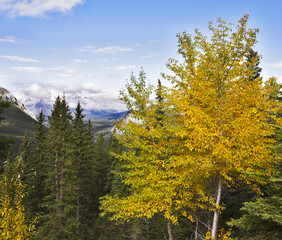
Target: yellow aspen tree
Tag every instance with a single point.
(221, 124)
(13, 222)
(149, 167)
(211, 132)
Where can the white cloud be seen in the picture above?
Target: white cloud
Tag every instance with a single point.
(90, 87)
(109, 49)
(8, 39)
(27, 69)
(79, 60)
(36, 8)
(66, 71)
(114, 74)
(19, 59)
(88, 94)
(147, 56)
(277, 65)
(69, 72)
(36, 91)
(121, 68)
(155, 41)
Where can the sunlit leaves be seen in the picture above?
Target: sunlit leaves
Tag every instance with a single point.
(214, 125)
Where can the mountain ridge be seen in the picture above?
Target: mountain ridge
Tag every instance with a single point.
(8, 96)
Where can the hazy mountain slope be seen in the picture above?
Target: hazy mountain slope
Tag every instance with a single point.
(7, 96)
(18, 119)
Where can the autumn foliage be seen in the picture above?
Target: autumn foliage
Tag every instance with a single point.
(212, 130)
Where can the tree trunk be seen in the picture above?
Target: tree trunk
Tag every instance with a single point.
(169, 229)
(216, 212)
(196, 229)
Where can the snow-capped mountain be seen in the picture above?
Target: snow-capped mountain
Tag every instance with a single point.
(7, 96)
(37, 107)
(93, 115)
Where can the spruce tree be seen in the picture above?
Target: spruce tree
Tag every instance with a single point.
(254, 61)
(102, 164)
(36, 170)
(4, 141)
(83, 162)
(60, 221)
(25, 153)
(262, 217)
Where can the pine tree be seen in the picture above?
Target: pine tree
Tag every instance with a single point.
(36, 170)
(61, 183)
(160, 103)
(254, 60)
(102, 164)
(4, 141)
(262, 218)
(25, 154)
(114, 184)
(83, 161)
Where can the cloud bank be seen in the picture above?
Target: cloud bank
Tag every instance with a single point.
(36, 8)
(8, 39)
(278, 64)
(19, 59)
(88, 94)
(109, 49)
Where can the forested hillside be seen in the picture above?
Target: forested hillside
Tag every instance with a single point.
(198, 159)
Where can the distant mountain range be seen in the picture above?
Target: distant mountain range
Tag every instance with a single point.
(19, 118)
(7, 96)
(103, 115)
(33, 109)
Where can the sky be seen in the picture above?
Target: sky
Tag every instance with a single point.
(87, 49)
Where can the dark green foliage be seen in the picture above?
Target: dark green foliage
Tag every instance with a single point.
(102, 164)
(83, 143)
(262, 217)
(66, 171)
(60, 222)
(36, 170)
(160, 100)
(3, 106)
(15, 124)
(114, 184)
(25, 152)
(4, 140)
(5, 143)
(254, 58)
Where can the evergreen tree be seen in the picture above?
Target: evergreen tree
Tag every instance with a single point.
(160, 103)
(114, 184)
(4, 141)
(83, 161)
(60, 220)
(25, 154)
(262, 218)
(254, 61)
(36, 170)
(102, 164)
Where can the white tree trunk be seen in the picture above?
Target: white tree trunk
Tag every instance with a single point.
(216, 212)
(169, 229)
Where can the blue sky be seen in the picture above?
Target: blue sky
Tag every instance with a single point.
(88, 48)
